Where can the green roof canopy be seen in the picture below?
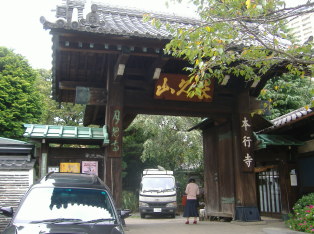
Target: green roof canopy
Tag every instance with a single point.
(264, 140)
(67, 134)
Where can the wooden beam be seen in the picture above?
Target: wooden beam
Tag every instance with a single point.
(136, 85)
(120, 66)
(111, 40)
(71, 85)
(264, 168)
(134, 72)
(144, 103)
(91, 96)
(128, 119)
(156, 67)
(104, 51)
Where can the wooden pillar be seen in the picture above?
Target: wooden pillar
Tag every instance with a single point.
(211, 184)
(114, 120)
(43, 158)
(244, 175)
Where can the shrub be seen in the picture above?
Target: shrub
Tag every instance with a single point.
(302, 217)
(130, 201)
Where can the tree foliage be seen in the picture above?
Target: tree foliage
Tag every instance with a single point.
(19, 99)
(169, 143)
(133, 166)
(67, 114)
(241, 38)
(285, 94)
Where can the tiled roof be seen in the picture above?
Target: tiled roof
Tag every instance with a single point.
(107, 19)
(15, 147)
(290, 118)
(13, 163)
(8, 141)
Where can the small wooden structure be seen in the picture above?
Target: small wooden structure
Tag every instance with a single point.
(84, 149)
(284, 162)
(113, 62)
(17, 173)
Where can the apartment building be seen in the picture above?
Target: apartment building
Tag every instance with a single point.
(302, 27)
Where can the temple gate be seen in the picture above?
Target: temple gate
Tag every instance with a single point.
(113, 62)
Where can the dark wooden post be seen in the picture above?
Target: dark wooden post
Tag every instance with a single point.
(245, 181)
(114, 120)
(211, 183)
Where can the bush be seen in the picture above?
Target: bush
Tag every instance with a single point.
(302, 217)
(130, 201)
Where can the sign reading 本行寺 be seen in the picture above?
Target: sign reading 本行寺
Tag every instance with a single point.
(246, 144)
(175, 87)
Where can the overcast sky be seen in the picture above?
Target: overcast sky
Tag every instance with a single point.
(21, 30)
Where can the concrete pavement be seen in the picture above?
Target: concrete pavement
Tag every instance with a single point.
(159, 225)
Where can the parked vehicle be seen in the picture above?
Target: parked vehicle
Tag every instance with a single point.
(157, 195)
(66, 203)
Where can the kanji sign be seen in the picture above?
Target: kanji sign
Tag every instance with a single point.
(175, 87)
(246, 141)
(115, 132)
(70, 167)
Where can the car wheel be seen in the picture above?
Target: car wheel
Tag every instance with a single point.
(142, 216)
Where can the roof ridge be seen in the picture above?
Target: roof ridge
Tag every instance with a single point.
(139, 12)
(308, 110)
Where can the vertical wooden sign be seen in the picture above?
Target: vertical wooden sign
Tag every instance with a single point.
(246, 140)
(115, 130)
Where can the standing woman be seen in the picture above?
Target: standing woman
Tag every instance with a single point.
(190, 209)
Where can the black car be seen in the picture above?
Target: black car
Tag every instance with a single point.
(66, 203)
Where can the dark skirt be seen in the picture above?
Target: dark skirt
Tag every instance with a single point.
(190, 209)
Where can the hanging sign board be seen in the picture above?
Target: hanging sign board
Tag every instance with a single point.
(90, 167)
(70, 167)
(175, 87)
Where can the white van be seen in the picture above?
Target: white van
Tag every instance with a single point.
(158, 195)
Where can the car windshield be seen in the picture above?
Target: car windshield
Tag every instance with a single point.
(43, 204)
(158, 184)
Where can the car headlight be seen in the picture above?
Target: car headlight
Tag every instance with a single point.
(171, 204)
(143, 204)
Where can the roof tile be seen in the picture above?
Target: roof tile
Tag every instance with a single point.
(118, 21)
(290, 117)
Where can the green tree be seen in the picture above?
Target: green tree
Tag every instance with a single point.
(285, 94)
(20, 101)
(238, 37)
(133, 141)
(168, 143)
(57, 113)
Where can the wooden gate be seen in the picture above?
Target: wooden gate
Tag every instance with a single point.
(269, 193)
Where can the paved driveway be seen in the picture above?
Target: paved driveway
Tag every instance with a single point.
(176, 226)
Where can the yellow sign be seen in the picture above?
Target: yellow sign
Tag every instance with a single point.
(175, 87)
(70, 167)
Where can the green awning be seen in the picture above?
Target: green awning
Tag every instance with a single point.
(264, 140)
(71, 134)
